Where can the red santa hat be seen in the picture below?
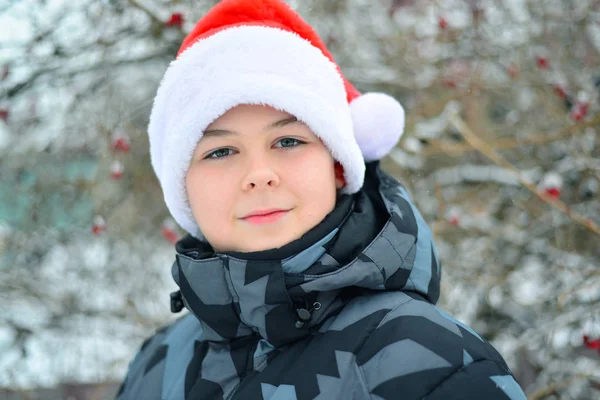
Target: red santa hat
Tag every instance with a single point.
(262, 52)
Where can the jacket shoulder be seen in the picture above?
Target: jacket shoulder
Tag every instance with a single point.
(146, 378)
(423, 352)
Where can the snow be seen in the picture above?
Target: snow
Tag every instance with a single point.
(428, 27)
(475, 173)
(526, 99)
(507, 345)
(589, 292)
(406, 160)
(432, 128)
(412, 144)
(518, 10)
(469, 305)
(91, 342)
(593, 32)
(425, 76)
(54, 357)
(4, 137)
(496, 297)
(14, 29)
(551, 180)
(528, 292)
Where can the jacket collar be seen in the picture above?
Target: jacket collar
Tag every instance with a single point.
(381, 243)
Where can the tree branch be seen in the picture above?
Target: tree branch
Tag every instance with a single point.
(460, 149)
(484, 148)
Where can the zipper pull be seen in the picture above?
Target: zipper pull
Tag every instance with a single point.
(305, 314)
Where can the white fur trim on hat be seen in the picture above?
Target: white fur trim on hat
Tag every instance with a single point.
(246, 65)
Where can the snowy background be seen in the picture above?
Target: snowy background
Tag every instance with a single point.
(501, 154)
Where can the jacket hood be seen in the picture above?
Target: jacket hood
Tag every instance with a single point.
(235, 296)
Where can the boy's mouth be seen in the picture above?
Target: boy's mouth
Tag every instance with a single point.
(265, 216)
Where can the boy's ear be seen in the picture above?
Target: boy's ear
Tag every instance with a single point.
(340, 181)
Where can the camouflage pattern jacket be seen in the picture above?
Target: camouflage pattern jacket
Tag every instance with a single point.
(346, 312)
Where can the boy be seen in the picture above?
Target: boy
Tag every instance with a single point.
(307, 273)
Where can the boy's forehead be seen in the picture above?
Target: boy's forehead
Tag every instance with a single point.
(253, 111)
(235, 120)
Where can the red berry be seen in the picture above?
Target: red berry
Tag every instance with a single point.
(542, 62)
(559, 90)
(453, 220)
(443, 23)
(121, 143)
(116, 170)
(168, 234)
(577, 115)
(591, 344)
(551, 185)
(4, 114)
(169, 230)
(116, 175)
(513, 71)
(175, 20)
(99, 225)
(579, 111)
(451, 83)
(553, 192)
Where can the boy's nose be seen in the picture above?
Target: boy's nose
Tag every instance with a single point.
(260, 178)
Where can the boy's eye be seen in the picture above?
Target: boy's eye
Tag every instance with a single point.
(219, 153)
(288, 142)
(226, 152)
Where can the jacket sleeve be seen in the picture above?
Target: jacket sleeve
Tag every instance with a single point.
(419, 352)
(479, 380)
(143, 380)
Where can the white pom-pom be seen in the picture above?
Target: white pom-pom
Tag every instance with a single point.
(378, 121)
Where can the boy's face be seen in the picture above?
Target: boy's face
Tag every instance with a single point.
(259, 179)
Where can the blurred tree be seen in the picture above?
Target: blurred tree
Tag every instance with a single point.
(501, 153)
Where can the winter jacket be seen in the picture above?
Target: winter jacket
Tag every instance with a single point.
(346, 312)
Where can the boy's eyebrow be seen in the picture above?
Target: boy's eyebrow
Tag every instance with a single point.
(217, 132)
(283, 122)
(225, 132)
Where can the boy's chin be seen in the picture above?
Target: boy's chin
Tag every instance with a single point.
(266, 243)
(265, 239)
